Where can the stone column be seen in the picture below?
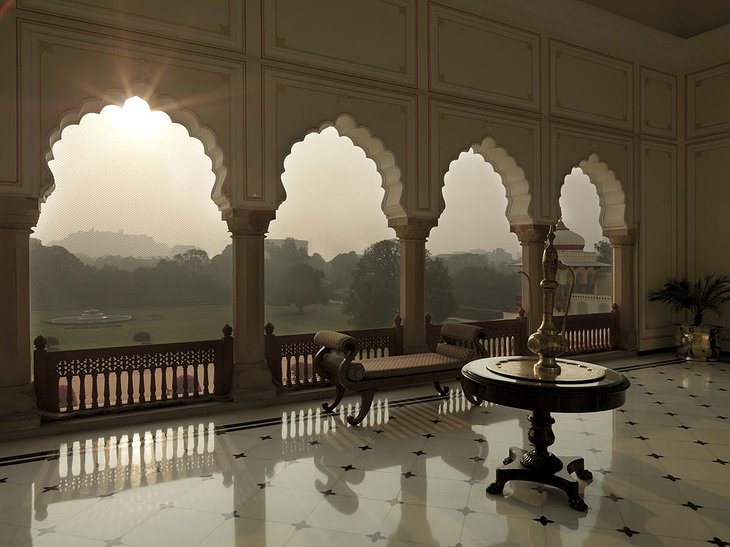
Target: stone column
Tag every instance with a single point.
(412, 235)
(532, 239)
(251, 375)
(623, 252)
(18, 215)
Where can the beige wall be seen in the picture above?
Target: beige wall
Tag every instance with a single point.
(537, 87)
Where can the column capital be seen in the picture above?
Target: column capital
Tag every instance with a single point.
(530, 233)
(18, 212)
(621, 238)
(412, 228)
(248, 221)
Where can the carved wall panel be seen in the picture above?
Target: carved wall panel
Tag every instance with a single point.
(658, 103)
(708, 110)
(657, 240)
(383, 124)
(482, 59)
(589, 86)
(62, 70)
(513, 152)
(209, 22)
(374, 38)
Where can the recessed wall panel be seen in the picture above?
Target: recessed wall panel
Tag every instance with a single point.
(211, 22)
(708, 108)
(591, 87)
(375, 38)
(658, 103)
(482, 59)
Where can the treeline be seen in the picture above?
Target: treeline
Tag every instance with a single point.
(368, 285)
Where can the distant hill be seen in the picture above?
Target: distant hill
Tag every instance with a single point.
(97, 243)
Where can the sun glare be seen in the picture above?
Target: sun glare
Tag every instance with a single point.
(136, 119)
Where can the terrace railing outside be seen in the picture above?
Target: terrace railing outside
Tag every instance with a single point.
(592, 333)
(90, 381)
(503, 336)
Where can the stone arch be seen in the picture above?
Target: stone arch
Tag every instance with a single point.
(517, 188)
(375, 150)
(611, 196)
(220, 193)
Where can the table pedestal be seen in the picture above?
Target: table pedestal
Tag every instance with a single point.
(539, 465)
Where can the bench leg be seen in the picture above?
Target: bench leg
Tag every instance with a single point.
(338, 397)
(365, 403)
(443, 390)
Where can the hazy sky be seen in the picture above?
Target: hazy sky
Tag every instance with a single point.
(145, 175)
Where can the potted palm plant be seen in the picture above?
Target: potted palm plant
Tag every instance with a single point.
(696, 341)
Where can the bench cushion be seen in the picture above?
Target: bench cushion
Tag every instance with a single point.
(406, 365)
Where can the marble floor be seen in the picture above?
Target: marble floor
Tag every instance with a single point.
(413, 474)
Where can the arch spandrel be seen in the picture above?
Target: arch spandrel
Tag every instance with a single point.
(516, 185)
(375, 149)
(220, 193)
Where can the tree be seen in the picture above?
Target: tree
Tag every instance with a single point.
(603, 252)
(281, 256)
(373, 297)
(485, 287)
(340, 270)
(302, 286)
(143, 337)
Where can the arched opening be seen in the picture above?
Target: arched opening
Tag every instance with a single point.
(129, 248)
(331, 235)
(473, 239)
(581, 246)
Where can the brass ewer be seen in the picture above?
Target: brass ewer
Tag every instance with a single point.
(548, 342)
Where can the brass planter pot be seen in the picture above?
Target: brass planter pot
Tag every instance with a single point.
(698, 343)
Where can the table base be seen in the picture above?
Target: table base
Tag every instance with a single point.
(515, 468)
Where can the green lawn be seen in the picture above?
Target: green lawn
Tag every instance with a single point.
(179, 324)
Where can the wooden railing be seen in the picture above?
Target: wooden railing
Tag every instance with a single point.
(503, 336)
(591, 333)
(90, 381)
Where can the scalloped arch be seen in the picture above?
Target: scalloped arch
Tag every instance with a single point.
(611, 196)
(517, 188)
(374, 147)
(220, 193)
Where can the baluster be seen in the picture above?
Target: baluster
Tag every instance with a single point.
(69, 393)
(206, 378)
(141, 383)
(106, 403)
(196, 383)
(118, 387)
(82, 391)
(288, 371)
(297, 378)
(95, 390)
(174, 381)
(163, 389)
(130, 388)
(185, 369)
(153, 381)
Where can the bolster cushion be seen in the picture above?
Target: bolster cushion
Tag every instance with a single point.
(460, 334)
(336, 341)
(459, 353)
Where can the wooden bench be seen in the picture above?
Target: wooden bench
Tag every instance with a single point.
(458, 345)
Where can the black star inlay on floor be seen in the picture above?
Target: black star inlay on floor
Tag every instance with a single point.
(622, 410)
(544, 520)
(299, 525)
(680, 387)
(348, 467)
(684, 426)
(693, 396)
(471, 482)
(419, 452)
(265, 438)
(613, 497)
(378, 431)
(626, 530)
(105, 495)
(692, 506)
(721, 417)
(328, 492)
(376, 537)
(655, 455)
(262, 485)
(717, 541)
(648, 393)
(435, 421)
(480, 440)
(233, 515)
(313, 443)
(721, 462)
(670, 414)
(428, 435)
(671, 478)
(365, 447)
(658, 403)
(707, 406)
(477, 459)
(630, 423)
(4, 479)
(466, 511)
(701, 443)
(395, 501)
(408, 474)
(240, 455)
(642, 438)
(50, 488)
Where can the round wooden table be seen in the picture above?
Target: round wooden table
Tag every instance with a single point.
(481, 383)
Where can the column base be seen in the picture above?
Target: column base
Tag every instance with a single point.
(18, 410)
(252, 382)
